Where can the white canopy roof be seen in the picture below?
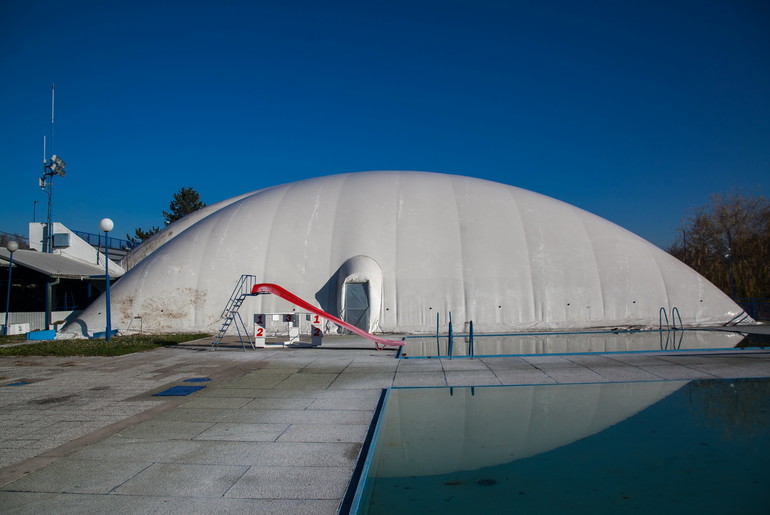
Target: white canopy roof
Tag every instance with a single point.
(55, 265)
(505, 258)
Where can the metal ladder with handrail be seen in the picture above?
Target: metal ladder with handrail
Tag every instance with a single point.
(231, 313)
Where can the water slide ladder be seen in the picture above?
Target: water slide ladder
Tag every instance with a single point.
(247, 286)
(231, 313)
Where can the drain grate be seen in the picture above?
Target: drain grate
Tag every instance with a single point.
(486, 482)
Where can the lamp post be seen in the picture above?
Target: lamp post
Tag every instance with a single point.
(106, 225)
(12, 247)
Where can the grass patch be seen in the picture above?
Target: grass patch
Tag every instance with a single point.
(117, 346)
(12, 338)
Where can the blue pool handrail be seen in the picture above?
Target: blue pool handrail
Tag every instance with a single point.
(662, 313)
(674, 316)
(471, 351)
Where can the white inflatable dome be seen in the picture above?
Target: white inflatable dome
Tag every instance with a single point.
(392, 249)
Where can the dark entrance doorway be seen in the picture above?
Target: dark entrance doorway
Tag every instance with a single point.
(356, 310)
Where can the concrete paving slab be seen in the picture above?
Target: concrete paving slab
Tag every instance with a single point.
(244, 432)
(252, 416)
(463, 364)
(308, 454)
(365, 393)
(363, 381)
(472, 378)
(310, 416)
(672, 371)
(80, 476)
(573, 375)
(163, 430)
(366, 367)
(216, 402)
(358, 403)
(11, 443)
(550, 361)
(324, 368)
(325, 433)
(619, 373)
(592, 361)
(259, 393)
(182, 480)
(523, 376)
(419, 365)
(639, 359)
(267, 381)
(723, 370)
(279, 403)
(307, 381)
(506, 363)
(429, 378)
(292, 483)
(123, 449)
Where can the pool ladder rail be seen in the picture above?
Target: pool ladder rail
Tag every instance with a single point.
(673, 338)
(675, 316)
(450, 340)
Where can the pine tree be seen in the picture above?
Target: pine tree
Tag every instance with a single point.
(185, 201)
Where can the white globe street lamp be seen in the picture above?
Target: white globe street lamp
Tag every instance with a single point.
(107, 225)
(12, 247)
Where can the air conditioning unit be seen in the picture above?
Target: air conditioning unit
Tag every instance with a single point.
(61, 240)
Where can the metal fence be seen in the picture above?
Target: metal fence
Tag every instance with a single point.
(97, 240)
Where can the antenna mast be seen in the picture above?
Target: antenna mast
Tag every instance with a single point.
(54, 167)
(53, 94)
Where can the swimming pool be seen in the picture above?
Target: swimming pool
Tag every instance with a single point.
(583, 342)
(663, 446)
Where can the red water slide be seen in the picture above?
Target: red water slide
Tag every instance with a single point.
(290, 297)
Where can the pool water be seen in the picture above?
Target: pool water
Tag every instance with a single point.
(584, 342)
(668, 446)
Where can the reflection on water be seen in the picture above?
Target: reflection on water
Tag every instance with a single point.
(692, 447)
(560, 343)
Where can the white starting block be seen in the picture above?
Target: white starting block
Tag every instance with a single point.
(260, 331)
(316, 329)
(293, 329)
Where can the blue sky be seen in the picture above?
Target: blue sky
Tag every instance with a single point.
(634, 110)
